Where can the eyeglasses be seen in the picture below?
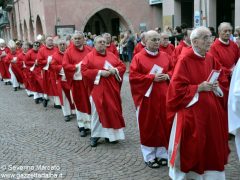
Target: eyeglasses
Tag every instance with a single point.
(37, 45)
(78, 38)
(102, 42)
(62, 44)
(155, 39)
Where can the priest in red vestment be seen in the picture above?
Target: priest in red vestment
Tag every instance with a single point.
(149, 78)
(34, 73)
(141, 45)
(198, 146)
(21, 59)
(72, 67)
(103, 74)
(62, 86)
(44, 59)
(3, 66)
(224, 50)
(110, 45)
(165, 45)
(185, 43)
(11, 61)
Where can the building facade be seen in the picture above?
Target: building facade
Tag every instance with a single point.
(25, 19)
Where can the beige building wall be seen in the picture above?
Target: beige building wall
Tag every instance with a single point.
(78, 12)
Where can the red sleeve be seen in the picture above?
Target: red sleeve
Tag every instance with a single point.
(115, 51)
(89, 75)
(180, 91)
(68, 67)
(41, 59)
(139, 82)
(29, 61)
(55, 65)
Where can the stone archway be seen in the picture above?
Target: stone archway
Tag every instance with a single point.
(39, 29)
(106, 20)
(25, 35)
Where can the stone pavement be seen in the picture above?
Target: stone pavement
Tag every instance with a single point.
(37, 142)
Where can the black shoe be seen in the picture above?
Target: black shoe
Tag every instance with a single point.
(93, 141)
(15, 89)
(45, 102)
(6, 83)
(9, 83)
(82, 132)
(30, 95)
(114, 142)
(36, 101)
(107, 140)
(57, 106)
(67, 118)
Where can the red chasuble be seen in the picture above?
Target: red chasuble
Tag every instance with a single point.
(226, 55)
(3, 66)
(21, 64)
(138, 48)
(49, 78)
(202, 129)
(35, 79)
(152, 113)
(106, 95)
(72, 57)
(168, 49)
(176, 53)
(112, 48)
(15, 68)
(56, 65)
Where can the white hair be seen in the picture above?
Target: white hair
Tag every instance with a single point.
(223, 24)
(198, 32)
(2, 41)
(11, 44)
(77, 33)
(149, 33)
(96, 38)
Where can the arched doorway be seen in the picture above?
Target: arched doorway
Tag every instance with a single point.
(31, 30)
(39, 29)
(25, 32)
(106, 20)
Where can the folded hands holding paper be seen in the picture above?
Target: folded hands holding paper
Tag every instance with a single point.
(109, 69)
(211, 84)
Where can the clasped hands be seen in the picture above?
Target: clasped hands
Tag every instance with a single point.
(106, 73)
(208, 86)
(160, 77)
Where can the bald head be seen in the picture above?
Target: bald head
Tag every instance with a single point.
(152, 40)
(225, 31)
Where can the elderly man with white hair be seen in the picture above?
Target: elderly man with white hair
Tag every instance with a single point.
(72, 67)
(15, 71)
(198, 147)
(224, 50)
(63, 86)
(165, 45)
(3, 66)
(103, 73)
(149, 78)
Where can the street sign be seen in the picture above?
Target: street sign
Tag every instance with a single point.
(197, 21)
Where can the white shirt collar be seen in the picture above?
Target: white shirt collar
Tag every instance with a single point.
(226, 43)
(151, 53)
(143, 43)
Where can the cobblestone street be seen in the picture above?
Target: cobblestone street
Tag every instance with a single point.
(34, 139)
